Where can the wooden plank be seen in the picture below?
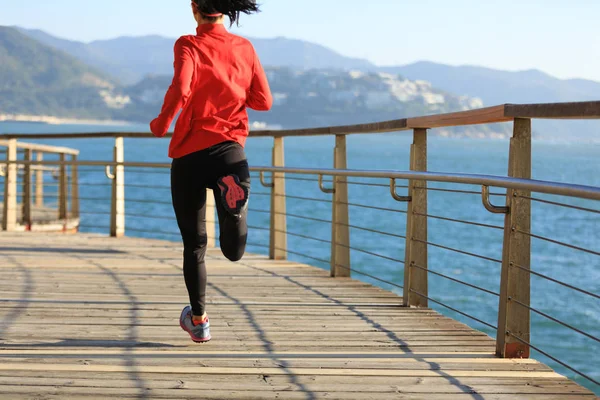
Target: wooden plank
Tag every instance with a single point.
(368, 128)
(257, 383)
(466, 357)
(394, 364)
(575, 110)
(36, 146)
(300, 393)
(273, 371)
(472, 117)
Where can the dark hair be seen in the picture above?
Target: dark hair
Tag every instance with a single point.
(231, 8)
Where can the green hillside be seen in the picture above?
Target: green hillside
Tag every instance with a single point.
(38, 80)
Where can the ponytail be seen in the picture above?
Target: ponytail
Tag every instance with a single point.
(231, 8)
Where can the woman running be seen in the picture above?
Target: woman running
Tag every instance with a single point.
(217, 75)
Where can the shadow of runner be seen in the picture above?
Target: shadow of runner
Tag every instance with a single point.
(24, 298)
(267, 344)
(390, 334)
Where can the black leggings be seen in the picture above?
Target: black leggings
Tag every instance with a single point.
(191, 175)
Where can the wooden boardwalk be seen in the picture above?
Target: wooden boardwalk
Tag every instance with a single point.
(92, 317)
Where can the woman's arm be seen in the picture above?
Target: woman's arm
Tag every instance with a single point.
(259, 97)
(178, 92)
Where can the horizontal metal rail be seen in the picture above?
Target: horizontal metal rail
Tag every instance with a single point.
(461, 221)
(370, 276)
(525, 342)
(372, 253)
(94, 212)
(107, 200)
(556, 281)
(146, 201)
(429, 270)
(361, 228)
(295, 253)
(258, 228)
(562, 189)
(93, 184)
(454, 309)
(561, 204)
(298, 178)
(458, 251)
(373, 207)
(551, 318)
(153, 231)
(299, 235)
(135, 185)
(325, 221)
(382, 185)
(287, 196)
(457, 191)
(327, 262)
(259, 211)
(570, 246)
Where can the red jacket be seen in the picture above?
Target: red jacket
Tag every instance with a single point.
(217, 75)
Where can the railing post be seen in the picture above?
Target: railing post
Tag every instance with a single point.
(27, 190)
(63, 189)
(514, 319)
(340, 231)
(416, 279)
(211, 226)
(39, 181)
(117, 210)
(74, 188)
(278, 237)
(9, 220)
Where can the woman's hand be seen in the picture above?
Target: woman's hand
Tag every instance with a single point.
(157, 128)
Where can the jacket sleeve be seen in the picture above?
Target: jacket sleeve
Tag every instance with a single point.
(179, 91)
(259, 96)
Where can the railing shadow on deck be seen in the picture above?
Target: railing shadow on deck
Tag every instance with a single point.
(24, 299)
(512, 205)
(390, 334)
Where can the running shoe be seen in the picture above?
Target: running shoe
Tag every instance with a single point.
(234, 195)
(200, 333)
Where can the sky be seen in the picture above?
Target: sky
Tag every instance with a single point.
(560, 37)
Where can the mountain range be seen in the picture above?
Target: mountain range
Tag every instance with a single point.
(45, 79)
(40, 80)
(132, 61)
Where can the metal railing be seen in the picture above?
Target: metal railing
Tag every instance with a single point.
(322, 227)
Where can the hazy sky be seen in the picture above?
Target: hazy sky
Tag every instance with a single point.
(561, 37)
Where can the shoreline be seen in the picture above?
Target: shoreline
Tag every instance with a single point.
(51, 120)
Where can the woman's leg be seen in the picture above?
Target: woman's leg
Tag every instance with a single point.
(233, 226)
(189, 203)
(233, 230)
